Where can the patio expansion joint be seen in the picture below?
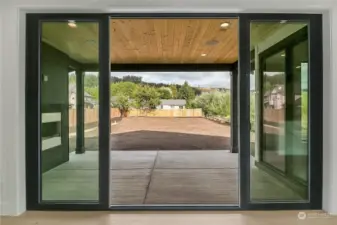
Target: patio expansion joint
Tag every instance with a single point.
(150, 179)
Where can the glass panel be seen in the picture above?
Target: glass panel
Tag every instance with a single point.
(91, 111)
(299, 113)
(68, 171)
(273, 91)
(279, 77)
(72, 124)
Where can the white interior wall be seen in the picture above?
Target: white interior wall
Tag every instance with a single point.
(12, 80)
(330, 111)
(1, 136)
(12, 114)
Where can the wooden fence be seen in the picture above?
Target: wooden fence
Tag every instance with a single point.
(91, 115)
(163, 113)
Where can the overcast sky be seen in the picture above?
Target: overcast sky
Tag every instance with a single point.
(196, 79)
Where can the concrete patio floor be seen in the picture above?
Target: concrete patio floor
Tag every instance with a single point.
(160, 177)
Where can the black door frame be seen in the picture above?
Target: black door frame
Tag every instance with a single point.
(33, 145)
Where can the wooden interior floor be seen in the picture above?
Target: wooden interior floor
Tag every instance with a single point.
(161, 177)
(169, 218)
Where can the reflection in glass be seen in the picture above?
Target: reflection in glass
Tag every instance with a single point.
(273, 90)
(91, 110)
(299, 112)
(69, 165)
(279, 165)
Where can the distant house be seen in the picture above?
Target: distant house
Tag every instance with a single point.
(89, 101)
(172, 104)
(164, 103)
(266, 98)
(275, 98)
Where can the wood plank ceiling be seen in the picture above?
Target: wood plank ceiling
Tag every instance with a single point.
(173, 41)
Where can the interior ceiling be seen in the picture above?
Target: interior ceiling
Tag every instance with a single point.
(80, 43)
(259, 31)
(155, 40)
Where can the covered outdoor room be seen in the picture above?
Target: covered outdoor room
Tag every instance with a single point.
(173, 104)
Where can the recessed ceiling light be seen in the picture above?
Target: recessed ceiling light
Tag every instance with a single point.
(212, 42)
(203, 54)
(283, 55)
(224, 25)
(72, 23)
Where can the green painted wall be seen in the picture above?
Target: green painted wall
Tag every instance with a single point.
(54, 98)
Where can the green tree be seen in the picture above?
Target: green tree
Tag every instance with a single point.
(72, 78)
(133, 79)
(186, 92)
(146, 98)
(267, 86)
(174, 91)
(115, 79)
(164, 93)
(90, 80)
(93, 91)
(123, 104)
(276, 79)
(123, 88)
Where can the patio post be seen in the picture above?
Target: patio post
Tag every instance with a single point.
(80, 149)
(234, 109)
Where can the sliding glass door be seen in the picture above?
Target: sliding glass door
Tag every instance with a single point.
(65, 64)
(278, 109)
(282, 110)
(283, 90)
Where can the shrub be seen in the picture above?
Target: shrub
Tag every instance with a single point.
(215, 103)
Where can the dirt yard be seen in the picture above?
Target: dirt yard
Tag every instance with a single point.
(146, 133)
